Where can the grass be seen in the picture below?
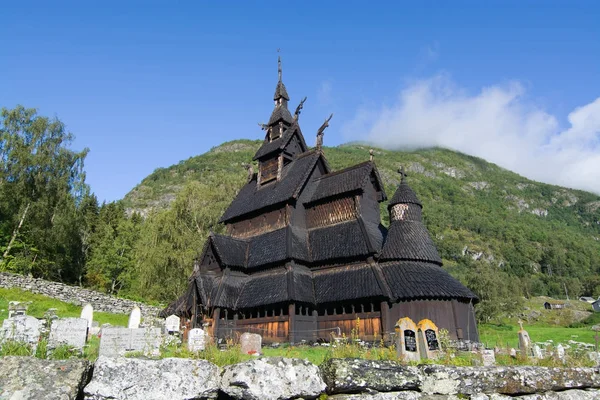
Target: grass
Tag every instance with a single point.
(40, 304)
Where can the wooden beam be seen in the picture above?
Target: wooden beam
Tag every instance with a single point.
(292, 322)
(385, 320)
(216, 316)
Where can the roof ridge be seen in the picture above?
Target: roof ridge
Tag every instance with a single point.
(352, 167)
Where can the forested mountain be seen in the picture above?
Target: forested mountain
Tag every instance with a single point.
(503, 235)
(488, 223)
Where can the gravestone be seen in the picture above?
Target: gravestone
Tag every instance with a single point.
(524, 340)
(145, 340)
(407, 346)
(116, 342)
(513, 352)
(537, 352)
(488, 357)
(69, 331)
(21, 328)
(251, 343)
(17, 308)
(428, 336)
(87, 313)
(196, 339)
(135, 318)
(172, 324)
(560, 352)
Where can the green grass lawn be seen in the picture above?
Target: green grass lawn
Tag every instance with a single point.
(40, 304)
(506, 335)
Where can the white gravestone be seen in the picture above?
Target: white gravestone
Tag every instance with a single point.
(196, 339)
(69, 331)
(135, 318)
(172, 323)
(87, 313)
(537, 352)
(116, 342)
(560, 352)
(21, 328)
(251, 343)
(488, 357)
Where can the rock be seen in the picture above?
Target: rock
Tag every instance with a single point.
(32, 378)
(439, 379)
(407, 395)
(357, 375)
(169, 378)
(272, 378)
(576, 394)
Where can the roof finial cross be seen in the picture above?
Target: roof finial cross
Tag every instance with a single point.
(403, 174)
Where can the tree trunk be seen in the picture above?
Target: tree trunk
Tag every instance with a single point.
(16, 232)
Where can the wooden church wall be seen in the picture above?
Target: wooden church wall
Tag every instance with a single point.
(362, 318)
(259, 224)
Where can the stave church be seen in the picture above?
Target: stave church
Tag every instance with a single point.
(306, 256)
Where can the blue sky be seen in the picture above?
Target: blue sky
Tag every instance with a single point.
(147, 84)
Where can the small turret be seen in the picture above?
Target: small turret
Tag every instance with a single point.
(405, 205)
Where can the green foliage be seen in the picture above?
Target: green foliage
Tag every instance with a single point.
(41, 185)
(13, 348)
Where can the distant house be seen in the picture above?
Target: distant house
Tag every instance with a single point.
(596, 305)
(554, 305)
(587, 299)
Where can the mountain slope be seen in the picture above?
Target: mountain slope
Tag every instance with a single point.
(475, 210)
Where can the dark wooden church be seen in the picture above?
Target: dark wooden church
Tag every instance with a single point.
(306, 255)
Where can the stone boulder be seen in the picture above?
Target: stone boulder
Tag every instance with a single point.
(272, 378)
(356, 375)
(512, 381)
(169, 378)
(32, 378)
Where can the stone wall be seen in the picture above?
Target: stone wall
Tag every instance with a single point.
(280, 378)
(74, 294)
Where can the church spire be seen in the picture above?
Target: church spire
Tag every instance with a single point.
(280, 91)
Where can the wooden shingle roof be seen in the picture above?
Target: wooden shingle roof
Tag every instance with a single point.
(409, 240)
(253, 198)
(347, 180)
(409, 280)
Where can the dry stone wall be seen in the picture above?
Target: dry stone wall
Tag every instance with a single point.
(277, 378)
(75, 295)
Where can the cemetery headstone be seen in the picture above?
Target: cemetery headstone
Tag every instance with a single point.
(17, 308)
(135, 318)
(513, 352)
(560, 352)
(537, 352)
(407, 345)
(87, 313)
(524, 340)
(428, 336)
(251, 343)
(196, 339)
(69, 331)
(145, 340)
(116, 342)
(488, 357)
(172, 324)
(21, 328)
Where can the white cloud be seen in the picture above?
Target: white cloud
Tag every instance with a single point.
(497, 124)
